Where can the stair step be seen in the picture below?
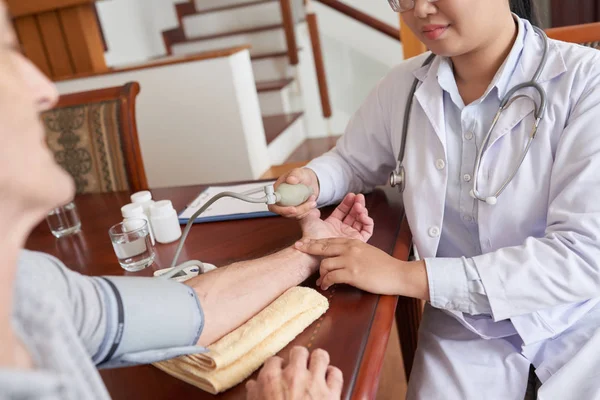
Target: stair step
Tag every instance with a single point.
(238, 32)
(202, 5)
(234, 6)
(274, 54)
(312, 148)
(238, 19)
(262, 40)
(275, 125)
(274, 85)
(276, 96)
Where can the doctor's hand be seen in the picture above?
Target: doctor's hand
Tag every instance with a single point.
(366, 267)
(305, 377)
(350, 220)
(307, 177)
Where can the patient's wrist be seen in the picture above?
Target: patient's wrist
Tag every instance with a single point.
(304, 264)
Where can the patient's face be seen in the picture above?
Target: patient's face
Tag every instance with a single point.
(29, 176)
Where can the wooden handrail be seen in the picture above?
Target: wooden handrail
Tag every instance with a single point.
(313, 30)
(289, 26)
(360, 16)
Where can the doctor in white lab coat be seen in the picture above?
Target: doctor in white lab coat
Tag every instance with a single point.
(508, 285)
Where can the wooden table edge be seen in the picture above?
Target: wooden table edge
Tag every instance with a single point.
(367, 381)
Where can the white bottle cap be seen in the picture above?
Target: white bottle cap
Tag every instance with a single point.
(162, 208)
(132, 210)
(141, 197)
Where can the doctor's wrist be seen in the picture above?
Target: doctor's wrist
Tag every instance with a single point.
(413, 282)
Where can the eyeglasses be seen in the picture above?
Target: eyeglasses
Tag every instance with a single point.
(404, 5)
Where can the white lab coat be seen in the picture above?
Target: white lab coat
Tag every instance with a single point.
(541, 241)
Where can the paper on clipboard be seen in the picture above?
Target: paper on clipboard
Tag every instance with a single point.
(227, 208)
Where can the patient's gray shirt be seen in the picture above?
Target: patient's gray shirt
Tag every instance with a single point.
(71, 324)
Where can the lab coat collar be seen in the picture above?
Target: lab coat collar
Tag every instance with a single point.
(430, 96)
(527, 65)
(531, 56)
(430, 93)
(527, 57)
(499, 83)
(513, 60)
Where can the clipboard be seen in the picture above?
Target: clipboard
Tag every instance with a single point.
(226, 209)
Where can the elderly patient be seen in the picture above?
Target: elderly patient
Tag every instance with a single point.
(56, 324)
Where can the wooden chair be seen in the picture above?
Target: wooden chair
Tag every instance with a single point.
(585, 34)
(93, 136)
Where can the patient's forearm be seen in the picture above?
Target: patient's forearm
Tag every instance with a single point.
(232, 295)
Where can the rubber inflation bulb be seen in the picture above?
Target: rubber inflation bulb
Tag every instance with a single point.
(293, 195)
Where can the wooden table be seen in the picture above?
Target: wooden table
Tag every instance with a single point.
(354, 330)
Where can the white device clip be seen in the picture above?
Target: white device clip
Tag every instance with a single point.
(270, 193)
(190, 270)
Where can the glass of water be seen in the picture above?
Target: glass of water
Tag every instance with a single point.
(131, 241)
(64, 220)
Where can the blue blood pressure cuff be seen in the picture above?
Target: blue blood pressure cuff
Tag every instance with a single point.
(148, 320)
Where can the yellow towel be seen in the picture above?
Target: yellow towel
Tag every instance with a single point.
(237, 355)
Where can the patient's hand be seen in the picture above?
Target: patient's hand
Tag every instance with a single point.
(305, 377)
(349, 220)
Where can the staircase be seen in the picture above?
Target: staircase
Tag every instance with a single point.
(217, 24)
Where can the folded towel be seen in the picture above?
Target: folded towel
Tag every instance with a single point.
(237, 355)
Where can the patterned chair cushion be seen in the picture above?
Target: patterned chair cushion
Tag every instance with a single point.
(86, 142)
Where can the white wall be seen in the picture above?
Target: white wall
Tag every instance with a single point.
(379, 9)
(198, 121)
(133, 28)
(356, 56)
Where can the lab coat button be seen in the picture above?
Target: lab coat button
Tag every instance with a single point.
(469, 135)
(440, 164)
(467, 218)
(467, 178)
(434, 231)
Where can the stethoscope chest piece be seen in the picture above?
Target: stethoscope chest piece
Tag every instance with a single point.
(397, 178)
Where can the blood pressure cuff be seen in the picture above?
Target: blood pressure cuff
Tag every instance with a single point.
(148, 320)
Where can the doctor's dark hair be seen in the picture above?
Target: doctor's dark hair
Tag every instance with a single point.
(525, 9)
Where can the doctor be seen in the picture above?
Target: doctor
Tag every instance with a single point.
(512, 277)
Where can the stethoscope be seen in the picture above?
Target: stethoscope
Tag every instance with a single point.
(398, 176)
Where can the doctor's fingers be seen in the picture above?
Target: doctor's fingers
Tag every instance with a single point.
(331, 264)
(297, 212)
(292, 177)
(336, 277)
